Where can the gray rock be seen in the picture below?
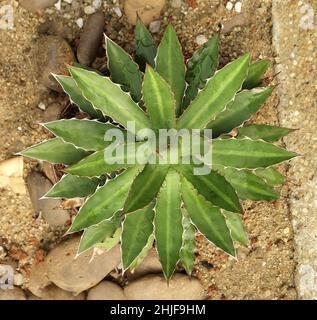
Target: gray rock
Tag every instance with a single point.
(79, 274)
(36, 5)
(12, 294)
(155, 287)
(52, 54)
(55, 293)
(91, 38)
(49, 209)
(151, 264)
(155, 26)
(148, 10)
(106, 290)
(38, 280)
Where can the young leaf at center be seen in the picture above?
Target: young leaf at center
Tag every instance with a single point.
(159, 100)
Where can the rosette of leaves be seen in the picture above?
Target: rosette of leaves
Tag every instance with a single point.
(138, 205)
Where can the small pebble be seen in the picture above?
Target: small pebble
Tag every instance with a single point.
(89, 10)
(58, 5)
(18, 279)
(117, 11)
(42, 106)
(238, 7)
(176, 3)
(229, 6)
(201, 39)
(80, 22)
(97, 4)
(155, 26)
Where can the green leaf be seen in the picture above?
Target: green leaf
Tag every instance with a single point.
(110, 242)
(256, 72)
(248, 185)
(271, 176)
(170, 65)
(145, 46)
(218, 92)
(98, 164)
(110, 99)
(72, 187)
(247, 153)
(124, 70)
(187, 253)
(55, 151)
(144, 253)
(239, 110)
(145, 187)
(200, 67)
(235, 224)
(168, 223)
(213, 187)
(98, 233)
(159, 100)
(264, 132)
(86, 134)
(136, 230)
(207, 218)
(105, 202)
(95, 166)
(70, 87)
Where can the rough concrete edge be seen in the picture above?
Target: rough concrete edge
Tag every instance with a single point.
(305, 273)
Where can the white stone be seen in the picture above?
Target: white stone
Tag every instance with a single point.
(229, 6)
(97, 4)
(155, 26)
(58, 5)
(117, 11)
(68, 1)
(80, 22)
(238, 7)
(11, 175)
(42, 106)
(201, 39)
(18, 279)
(89, 10)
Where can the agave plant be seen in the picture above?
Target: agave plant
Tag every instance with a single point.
(150, 204)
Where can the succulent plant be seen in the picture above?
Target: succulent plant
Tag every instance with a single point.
(146, 204)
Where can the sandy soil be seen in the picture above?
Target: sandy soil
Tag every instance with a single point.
(263, 271)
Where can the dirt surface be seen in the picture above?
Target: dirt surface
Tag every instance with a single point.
(263, 271)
